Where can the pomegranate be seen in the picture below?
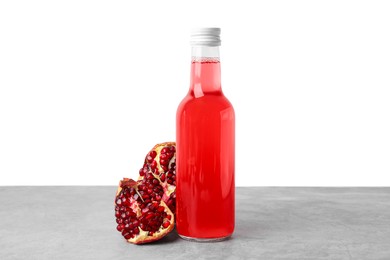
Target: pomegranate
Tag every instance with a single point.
(161, 161)
(144, 209)
(140, 212)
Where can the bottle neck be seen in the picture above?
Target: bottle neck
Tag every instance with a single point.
(205, 71)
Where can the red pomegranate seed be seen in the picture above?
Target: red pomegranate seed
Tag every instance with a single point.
(120, 227)
(166, 224)
(149, 159)
(153, 154)
(128, 235)
(153, 165)
(164, 162)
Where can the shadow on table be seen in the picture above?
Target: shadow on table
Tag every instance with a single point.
(170, 238)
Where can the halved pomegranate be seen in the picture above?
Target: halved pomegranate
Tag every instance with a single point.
(144, 209)
(140, 212)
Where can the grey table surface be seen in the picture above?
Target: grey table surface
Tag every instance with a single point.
(76, 222)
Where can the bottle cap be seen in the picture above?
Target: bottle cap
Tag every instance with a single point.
(205, 37)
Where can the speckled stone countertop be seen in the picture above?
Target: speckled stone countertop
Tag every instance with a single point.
(76, 222)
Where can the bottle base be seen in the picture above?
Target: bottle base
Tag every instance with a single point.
(204, 240)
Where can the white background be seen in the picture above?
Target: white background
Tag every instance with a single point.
(88, 87)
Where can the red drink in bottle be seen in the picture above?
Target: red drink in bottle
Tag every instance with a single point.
(205, 148)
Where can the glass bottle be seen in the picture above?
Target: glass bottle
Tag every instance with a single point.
(205, 136)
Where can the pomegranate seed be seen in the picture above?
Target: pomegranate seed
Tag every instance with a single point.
(126, 201)
(120, 227)
(153, 165)
(143, 171)
(166, 224)
(128, 235)
(162, 178)
(169, 217)
(136, 231)
(149, 159)
(160, 209)
(164, 162)
(153, 154)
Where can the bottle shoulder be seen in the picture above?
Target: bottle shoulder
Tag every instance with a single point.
(208, 103)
